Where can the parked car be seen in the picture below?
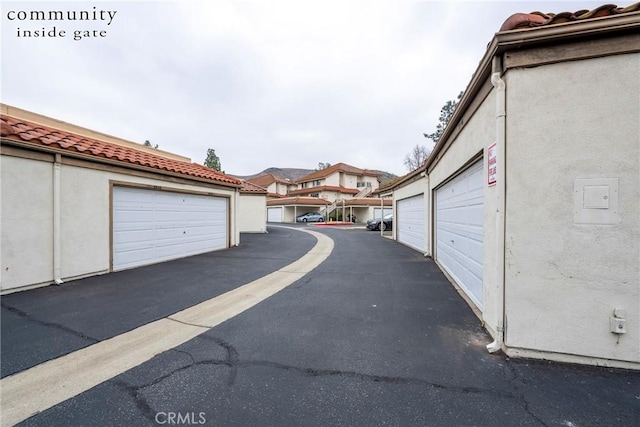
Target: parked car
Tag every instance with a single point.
(387, 223)
(310, 217)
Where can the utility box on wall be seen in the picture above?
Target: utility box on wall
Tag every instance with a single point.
(596, 201)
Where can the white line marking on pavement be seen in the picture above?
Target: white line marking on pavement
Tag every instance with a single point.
(39, 388)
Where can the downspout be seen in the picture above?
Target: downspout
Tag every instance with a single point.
(428, 230)
(381, 215)
(57, 275)
(236, 225)
(501, 187)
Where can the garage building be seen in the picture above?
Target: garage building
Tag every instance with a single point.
(76, 203)
(531, 197)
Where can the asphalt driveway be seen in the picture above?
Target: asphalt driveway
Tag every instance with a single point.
(374, 336)
(44, 323)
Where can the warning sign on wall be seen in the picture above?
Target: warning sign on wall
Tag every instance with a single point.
(492, 164)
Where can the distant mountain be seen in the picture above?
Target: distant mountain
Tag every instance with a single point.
(290, 173)
(297, 173)
(386, 177)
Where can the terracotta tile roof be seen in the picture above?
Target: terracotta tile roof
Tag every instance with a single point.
(276, 195)
(399, 180)
(42, 136)
(520, 21)
(370, 201)
(320, 188)
(339, 167)
(249, 187)
(306, 201)
(265, 180)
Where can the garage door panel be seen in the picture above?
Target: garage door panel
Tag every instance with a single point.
(274, 214)
(469, 252)
(152, 226)
(463, 215)
(409, 222)
(132, 236)
(169, 235)
(459, 230)
(132, 256)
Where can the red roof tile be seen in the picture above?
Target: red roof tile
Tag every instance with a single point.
(276, 196)
(38, 135)
(265, 180)
(306, 201)
(249, 187)
(520, 21)
(320, 188)
(369, 201)
(339, 167)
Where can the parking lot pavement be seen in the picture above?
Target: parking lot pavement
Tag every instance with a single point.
(41, 324)
(374, 336)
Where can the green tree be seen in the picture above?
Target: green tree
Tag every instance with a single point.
(213, 161)
(445, 115)
(322, 166)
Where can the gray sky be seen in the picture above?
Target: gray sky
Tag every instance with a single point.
(284, 83)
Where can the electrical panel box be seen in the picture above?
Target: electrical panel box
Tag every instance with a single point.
(596, 201)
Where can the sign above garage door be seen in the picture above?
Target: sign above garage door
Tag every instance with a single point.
(151, 226)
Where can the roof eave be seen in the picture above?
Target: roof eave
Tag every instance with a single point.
(107, 161)
(525, 38)
(403, 180)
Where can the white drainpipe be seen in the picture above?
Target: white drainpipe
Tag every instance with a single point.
(57, 275)
(381, 215)
(236, 219)
(501, 138)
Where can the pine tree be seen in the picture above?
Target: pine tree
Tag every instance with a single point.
(213, 161)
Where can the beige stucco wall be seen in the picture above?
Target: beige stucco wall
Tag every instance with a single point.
(27, 219)
(272, 188)
(332, 196)
(333, 179)
(84, 210)
(371, 179)
(415, 188)
(252, 213)
(280, 188)
(350, 180)
(563, 280)
(26, 223)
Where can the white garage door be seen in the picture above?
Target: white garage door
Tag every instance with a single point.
(409, 222)
(152, 226)
(459, 230)
(274, 214)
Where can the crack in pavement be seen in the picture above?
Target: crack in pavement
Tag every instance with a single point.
(30, 318)
(520, 393)
(233, 362)
(65, 377)
(141, 403)
(188, 323)
(232, 357)
(135, 392)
